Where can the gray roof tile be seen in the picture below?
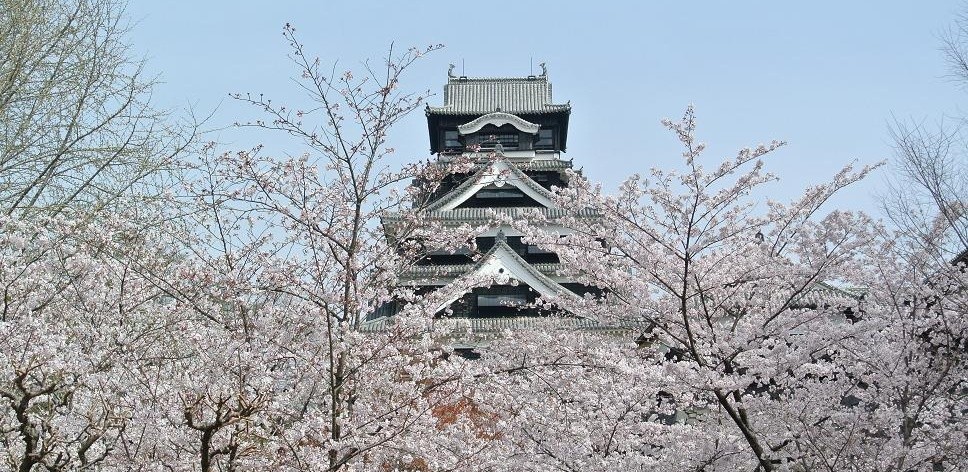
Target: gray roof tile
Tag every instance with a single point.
(528, 165)
(824, 294)
(484, 215)
(454, 270)
(480, 95)
(464, 326)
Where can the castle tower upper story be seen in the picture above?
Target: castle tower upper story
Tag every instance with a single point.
(517, 113)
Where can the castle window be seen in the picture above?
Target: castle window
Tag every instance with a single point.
(461, 251)
(489, 193)
(499, 197)
(506, 140)
(546, 139)
(451, 140)
(500, 300)
(532, 249)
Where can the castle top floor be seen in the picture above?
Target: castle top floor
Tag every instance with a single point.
(515, 113)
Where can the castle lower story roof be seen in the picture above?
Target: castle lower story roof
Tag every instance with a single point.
(432, 272)
(488, 215)
(476, 330)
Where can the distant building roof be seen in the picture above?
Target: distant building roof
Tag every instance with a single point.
(961, 258)
(482, 95)
(822, 294)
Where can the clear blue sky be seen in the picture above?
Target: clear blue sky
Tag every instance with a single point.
(825, 76)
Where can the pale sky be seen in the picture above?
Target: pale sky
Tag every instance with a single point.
(825, 76)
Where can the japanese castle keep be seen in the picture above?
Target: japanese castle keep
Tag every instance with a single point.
(513, 135)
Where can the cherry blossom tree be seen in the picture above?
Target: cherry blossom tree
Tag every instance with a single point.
(573, 400)
(78, 323)
(905, 368)
(734, 302)
(285, 375)
(83, 159)
(236, 332)
(227, 334)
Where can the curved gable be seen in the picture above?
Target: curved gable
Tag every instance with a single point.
(498, 173)
(498, 119)
(502, 265)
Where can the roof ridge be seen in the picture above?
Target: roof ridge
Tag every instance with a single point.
(513, 95)
(527, 78)
(458, 325)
